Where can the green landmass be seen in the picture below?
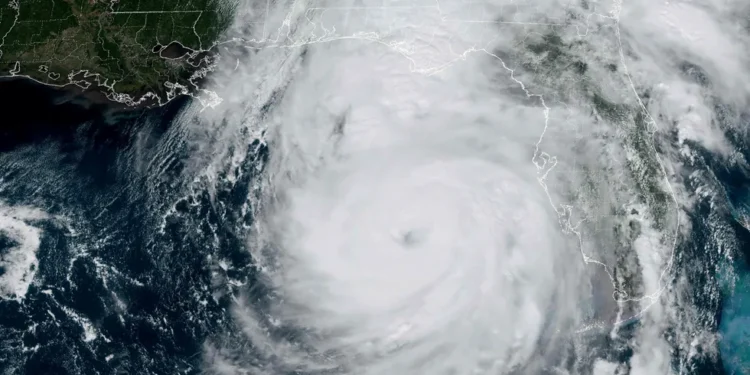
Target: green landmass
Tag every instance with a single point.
(556, 62)
(129, 47)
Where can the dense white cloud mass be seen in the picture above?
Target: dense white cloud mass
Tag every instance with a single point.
(20, 241)
(424, 234)
(468, 187)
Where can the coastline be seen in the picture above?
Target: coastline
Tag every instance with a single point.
(71, 92)
(92, 89)
(36, 112)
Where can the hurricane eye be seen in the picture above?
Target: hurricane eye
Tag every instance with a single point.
(413, 237)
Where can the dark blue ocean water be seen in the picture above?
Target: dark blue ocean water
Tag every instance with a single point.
(130, 249)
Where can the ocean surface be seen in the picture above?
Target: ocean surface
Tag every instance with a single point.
(167, 240)
(122, 276)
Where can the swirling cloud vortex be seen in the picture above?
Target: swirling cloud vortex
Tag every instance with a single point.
(415, 243)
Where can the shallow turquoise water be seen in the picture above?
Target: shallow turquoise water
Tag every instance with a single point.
(735, 326)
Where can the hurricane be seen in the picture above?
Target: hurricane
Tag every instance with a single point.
(470, 188)
(418, 237)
